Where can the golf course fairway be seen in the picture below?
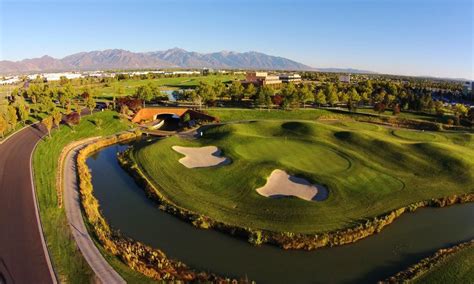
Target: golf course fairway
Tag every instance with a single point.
(368, 170)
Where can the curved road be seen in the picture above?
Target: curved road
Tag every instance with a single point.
(23, 254)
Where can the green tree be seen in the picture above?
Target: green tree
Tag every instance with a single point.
(459, 111)
(90, 103)
(250, 91)
(320, 98)
(196, 98)
(204, 94)
(331, 94)
(236, 91)
(219, 89)
(144, 93)
(22, 112)
(354, 99)
(305, 95)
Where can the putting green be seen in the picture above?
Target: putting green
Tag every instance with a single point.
(367, 170)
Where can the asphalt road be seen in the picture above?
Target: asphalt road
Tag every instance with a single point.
(23, 254)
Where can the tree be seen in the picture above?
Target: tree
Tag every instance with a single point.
(46, 105)
(379, 107)
(320, 98)
(219, 89)
(396, 109)
(23, 113)
(57, 117)
(236, 91)
(470, 115)
(196, 98)
(12, 117)
(438, 105)
(204, 94)
(90, 103)
(353, 100)
(459, 111)
(331, 94)
(305, 95)
(3, 125)
(250, 90)
(77, 108)
(72, 119)
(144, 93)
(48, 123)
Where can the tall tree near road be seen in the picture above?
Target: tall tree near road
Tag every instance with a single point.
(48, 123)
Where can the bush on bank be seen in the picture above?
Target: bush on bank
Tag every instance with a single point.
(286, 240)
(142, 258)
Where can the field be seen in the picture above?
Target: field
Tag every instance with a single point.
(458, 268)
(368, 169)
(67, 260)
(129, 86)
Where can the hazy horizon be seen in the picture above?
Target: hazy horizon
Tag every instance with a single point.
(418, 38)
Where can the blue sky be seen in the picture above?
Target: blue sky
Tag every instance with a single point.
(412, 37)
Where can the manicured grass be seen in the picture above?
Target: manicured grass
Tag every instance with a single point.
(458, 268)
(368, 170)
(410, 115)
(236, 114)
(129, 86)
(67, 260)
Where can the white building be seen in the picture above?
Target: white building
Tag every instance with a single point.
(10, 80)
(287, 78)
(56, 76)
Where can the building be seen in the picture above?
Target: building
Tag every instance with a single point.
(11, 80)
(287, 78)
(261, 79)
(345, 78)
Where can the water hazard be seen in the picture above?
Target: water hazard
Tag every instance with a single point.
(406, 241)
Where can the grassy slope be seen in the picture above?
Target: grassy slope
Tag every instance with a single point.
(67, 260)
(458, 268)
(235, 114)
(368, 169)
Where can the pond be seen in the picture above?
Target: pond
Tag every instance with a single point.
(406, 241)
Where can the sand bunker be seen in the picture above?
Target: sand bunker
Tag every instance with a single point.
(201, 157)
(280, 184)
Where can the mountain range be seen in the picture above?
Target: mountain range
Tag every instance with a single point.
(171, 58)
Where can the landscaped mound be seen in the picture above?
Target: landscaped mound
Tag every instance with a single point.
(368, 171)
(281, 184)
(201, 157)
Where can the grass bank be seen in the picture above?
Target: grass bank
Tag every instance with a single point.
(369, 170)
(449, 265)
(67, 260)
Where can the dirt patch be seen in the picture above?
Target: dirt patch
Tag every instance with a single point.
(201, 157)
(280, 184)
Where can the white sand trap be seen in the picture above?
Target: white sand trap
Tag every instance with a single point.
(201, 157)
(281, 184)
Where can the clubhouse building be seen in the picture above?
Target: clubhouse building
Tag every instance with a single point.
(263, 78)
